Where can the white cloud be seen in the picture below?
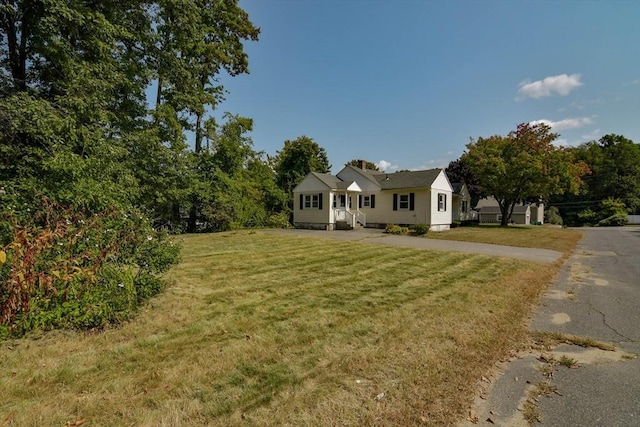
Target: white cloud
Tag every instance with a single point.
(561, 84)
(561, 142)
(572, 123)
(385, 166)
(594, 135)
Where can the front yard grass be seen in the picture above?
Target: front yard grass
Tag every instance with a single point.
(533, 236)
(263, 329)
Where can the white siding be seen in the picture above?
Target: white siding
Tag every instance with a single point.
(347, 174)
(383, 213)
(320, 217)
(310, 184)
(441, 185)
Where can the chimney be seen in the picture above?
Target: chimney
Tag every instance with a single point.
(362, 164)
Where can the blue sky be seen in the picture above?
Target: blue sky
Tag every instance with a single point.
(405, 84)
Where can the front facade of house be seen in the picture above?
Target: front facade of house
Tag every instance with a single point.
(461, 203)
(373, 199)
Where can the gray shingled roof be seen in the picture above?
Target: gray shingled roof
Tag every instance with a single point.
(405, 179)
(331, 181)
(457, 187)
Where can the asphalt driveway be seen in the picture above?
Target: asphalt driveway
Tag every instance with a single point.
(377, 236)
(595, 296)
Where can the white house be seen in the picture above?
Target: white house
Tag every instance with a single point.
(373, 199)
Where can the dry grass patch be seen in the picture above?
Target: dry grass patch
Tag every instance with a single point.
(559, 239)
(263, 329)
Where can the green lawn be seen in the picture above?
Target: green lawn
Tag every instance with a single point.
(534, 236)
(264, 329)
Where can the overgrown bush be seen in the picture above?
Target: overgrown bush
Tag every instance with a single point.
(552, 216)
(455, 223)
(616, 220)
(63, 267)
(420, 229)
(611, 212)
(395, 229)
(279, 220)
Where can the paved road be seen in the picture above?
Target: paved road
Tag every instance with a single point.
(377, 236)
(596, 295)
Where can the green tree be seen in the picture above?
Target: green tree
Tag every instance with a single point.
(297, 159)
(75, 127)
(615, 165)
(522, 166)
(236, 186)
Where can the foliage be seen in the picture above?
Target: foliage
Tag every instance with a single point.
(615, 164)
(395, 229)
(523, 166)
(552, 216)
(296, 160)
(367, 164)
(611, 212)
(77, 128)
(279, 220)
(420, 229)
(69, 268)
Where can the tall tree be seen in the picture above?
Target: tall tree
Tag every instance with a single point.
(615, 164)
(523, 165)
(296, 159)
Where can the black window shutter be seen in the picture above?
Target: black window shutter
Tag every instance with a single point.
(359, 201)
(301, 201)
(373, 201)
(395, 201)
(411, 201)
(320, 201)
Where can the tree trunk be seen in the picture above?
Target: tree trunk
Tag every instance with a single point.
(198, 146)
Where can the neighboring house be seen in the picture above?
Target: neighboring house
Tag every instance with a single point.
(373, 199)
(461, 205)
(529, 213)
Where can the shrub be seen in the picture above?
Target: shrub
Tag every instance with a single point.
(611, 212)
(420, 229)
(279, 220)
(395, 229)
(614, 221)
(67, 268)
(552, 216)
(456, 223)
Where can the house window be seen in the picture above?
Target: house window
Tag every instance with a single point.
(442, 202)
(464, 206)
(311, 201)
(403, 201)
(367, 201)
